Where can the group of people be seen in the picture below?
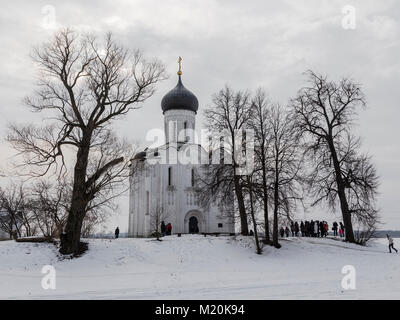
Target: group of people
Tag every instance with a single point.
(311, 229)
(319, 229)
(166, 229)
(308, 229)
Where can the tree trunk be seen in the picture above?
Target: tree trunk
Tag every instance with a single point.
(259, 251)
(70, 240)
(14, 222)
(242, 209)
(265, 203)
(276, 202)
(275, 231)
(344, 206)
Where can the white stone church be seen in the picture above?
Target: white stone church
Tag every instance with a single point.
(164, 188)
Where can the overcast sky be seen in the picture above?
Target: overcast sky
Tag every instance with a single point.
(247, 44)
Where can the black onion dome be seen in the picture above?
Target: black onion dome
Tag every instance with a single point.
(179, 98)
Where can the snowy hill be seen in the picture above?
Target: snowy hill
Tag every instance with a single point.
(197, 267)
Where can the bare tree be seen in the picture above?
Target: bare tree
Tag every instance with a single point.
(84, 86)
(225, 118)
(17, 217)
(7, 220)
(325, 112)
(157, 216)
(49, 204)
(365, 227)
(260, 123)
(93, 220)
(214, 185)
(285, 168)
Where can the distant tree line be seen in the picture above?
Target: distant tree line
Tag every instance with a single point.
(41, 209)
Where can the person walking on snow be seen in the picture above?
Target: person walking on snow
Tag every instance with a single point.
(163, 228)
(117, 233)
(390, 239)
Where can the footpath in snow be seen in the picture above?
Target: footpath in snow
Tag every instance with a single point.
(198, 267)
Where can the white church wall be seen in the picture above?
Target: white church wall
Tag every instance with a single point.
(178, 200)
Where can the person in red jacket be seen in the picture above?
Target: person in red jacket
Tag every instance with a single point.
(169, 229)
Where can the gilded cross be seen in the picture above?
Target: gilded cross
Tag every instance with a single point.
(180, 66)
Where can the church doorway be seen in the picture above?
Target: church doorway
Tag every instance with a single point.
(193, 225)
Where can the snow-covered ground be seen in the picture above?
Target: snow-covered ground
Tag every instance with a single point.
(197, 267)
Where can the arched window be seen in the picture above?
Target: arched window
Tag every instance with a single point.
(185, 131)
(170, 176)
(172, 131)
(192, 178)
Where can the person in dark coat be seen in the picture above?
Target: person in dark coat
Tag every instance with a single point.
(163, 228)
(335, 229)
(282, 232)
(117, 233)
(312, 233)
(302, 228)
(322, 228)
(296, 228)
(307, 228)
(292, 228)
(287, 231)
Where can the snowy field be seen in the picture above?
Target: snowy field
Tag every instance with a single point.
(197, 267)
